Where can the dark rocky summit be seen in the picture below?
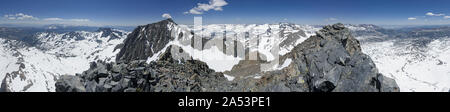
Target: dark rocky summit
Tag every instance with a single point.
(136, 45)
(332, 61)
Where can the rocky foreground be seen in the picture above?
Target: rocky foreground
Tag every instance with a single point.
(331, 61)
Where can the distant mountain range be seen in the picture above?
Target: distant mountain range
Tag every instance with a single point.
(36, 67)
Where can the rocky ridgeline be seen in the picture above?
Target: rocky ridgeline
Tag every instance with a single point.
(164, 75)
(332, 61)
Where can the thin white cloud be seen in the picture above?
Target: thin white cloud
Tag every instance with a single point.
(194, 11)
(69, 20)
(20, 16)
(331, 19)
(79, 20)
(53, 19)
(412, 18)
(446, 17)
(212, 5)
(25, 17)
(166, 15)
(433, 14)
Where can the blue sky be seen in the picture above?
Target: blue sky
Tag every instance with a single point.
(138, 12)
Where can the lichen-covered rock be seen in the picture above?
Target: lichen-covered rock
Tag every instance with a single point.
(3, 86)
(68, 83)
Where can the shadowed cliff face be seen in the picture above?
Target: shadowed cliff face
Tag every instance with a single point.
(3, 86)
(332, 61)
(145, 41)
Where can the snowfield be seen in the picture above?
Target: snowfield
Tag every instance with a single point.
(268, 35)
(59, 54)
(414, 69)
